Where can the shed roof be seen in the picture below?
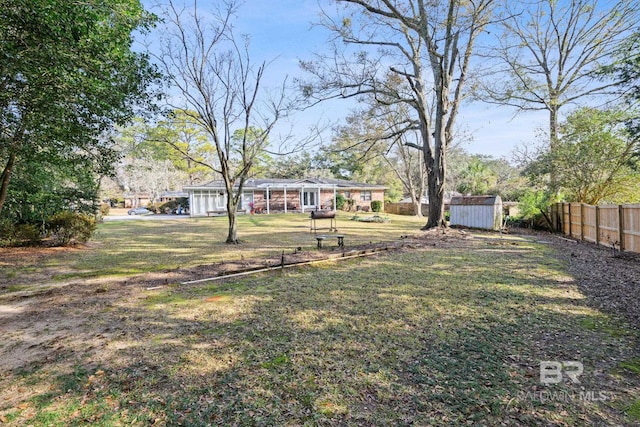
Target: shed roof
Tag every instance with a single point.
(475, 200)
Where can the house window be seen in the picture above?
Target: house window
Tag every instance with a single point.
(365, 196)
(347, 194)
(309, 198)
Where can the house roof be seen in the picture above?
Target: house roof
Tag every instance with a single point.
(274, 183)
(174, 194)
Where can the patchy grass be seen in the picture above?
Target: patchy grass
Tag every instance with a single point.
(444, 335)
(125, 248)
(632, 366)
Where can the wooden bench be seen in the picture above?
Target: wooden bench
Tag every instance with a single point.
(321, 238)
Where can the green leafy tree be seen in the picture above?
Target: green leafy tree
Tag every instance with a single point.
(47, 186)
(594, 159)
(67, 75)
(362, 151)
(625, 68)
(477, 178)
(183, 142)
(626, 71)
(481, 174)
(145, 166)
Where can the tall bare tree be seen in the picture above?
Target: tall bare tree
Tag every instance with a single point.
(550, 51)
(221, 90)
(427, 44)
(410, 170)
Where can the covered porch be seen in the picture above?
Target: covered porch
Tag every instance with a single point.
(274, 197)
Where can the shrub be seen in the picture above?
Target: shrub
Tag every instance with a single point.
(349, 204)
(67, 227)
(18, 234)
(340, 201)
(104, 209)
(172, 205)
(376, 205)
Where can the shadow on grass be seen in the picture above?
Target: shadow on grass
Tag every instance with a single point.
(438, 337)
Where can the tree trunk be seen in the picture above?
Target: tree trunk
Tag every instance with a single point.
(232, 207)
(435, 159)
(553, 144)
(436, 205)
(434, 166)
(5, 178)
(416, 197)
(417, 207)
(553, 128)
(232, 235)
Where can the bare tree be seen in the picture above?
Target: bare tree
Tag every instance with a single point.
(375, 139)
(410, 170)
(221, 91)
(550, 51)
(405, 162)
(429, 45)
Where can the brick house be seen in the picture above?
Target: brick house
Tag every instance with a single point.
(284, 195)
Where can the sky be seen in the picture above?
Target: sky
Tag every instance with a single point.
(282, 33)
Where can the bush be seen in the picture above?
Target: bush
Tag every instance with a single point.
(104, 209)
(70, 227)
(172, 205)
(349, 204)
(168, 207)
(340, 201)
(18, 234)
(376, 205)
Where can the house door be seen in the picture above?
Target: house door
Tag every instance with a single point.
(246, 202)
(309, 199)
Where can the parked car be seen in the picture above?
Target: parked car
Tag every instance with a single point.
(138, 211)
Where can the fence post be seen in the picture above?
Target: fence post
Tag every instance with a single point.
(581, 221)
(570, 221)
(597, 225)
(621, 226)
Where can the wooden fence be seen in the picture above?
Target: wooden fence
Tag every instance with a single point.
(616, 226)
(400, 208)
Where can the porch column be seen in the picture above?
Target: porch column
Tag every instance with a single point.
(334, 198)
(318, 199)
(268, 192)
(301, 197)
(285, 199)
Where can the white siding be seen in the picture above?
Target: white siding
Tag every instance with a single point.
(487, 217)
(202, 201)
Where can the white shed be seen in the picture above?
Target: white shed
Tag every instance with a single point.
(476, 212)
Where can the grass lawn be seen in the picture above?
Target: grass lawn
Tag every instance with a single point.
(445, 334)
(125, 248)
